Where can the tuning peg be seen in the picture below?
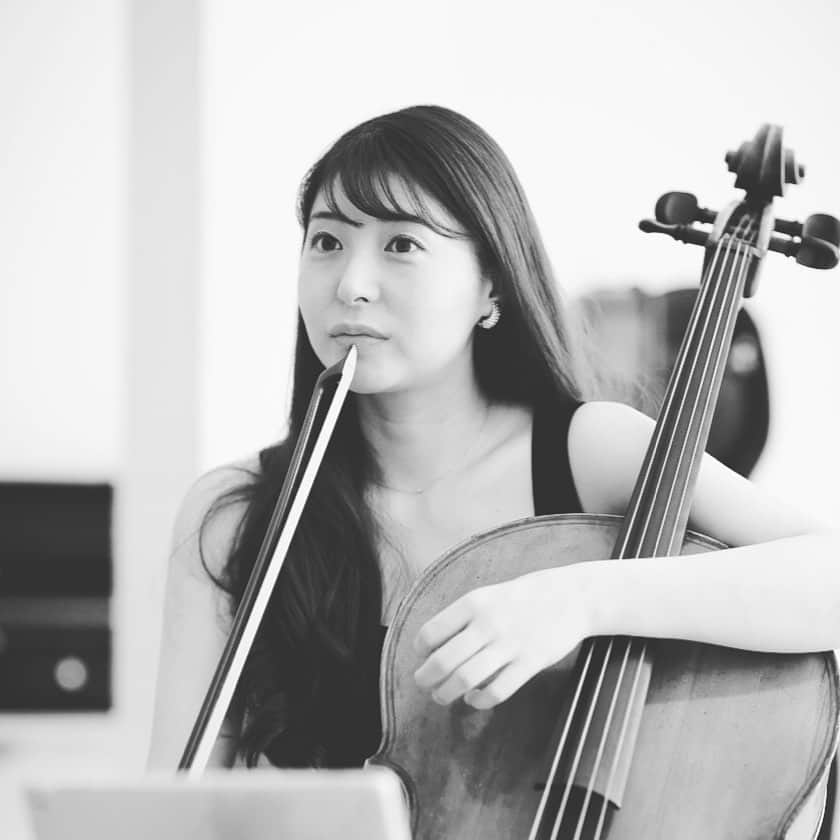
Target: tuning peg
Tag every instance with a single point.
(820, 247)
(817, 253)
(787, 228)
(680, 208)
(822, 226)
(682, 233)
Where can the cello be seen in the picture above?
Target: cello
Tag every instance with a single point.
(631, 738)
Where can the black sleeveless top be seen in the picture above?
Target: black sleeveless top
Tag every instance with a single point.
(352, 733)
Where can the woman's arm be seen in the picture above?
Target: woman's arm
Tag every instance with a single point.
(195, 624)
(781, 596)
(777, 590)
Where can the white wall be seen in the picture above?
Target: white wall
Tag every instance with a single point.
(600, 106)
(99, 212)
(62, 186)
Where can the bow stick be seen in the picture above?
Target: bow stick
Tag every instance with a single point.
(263, 576)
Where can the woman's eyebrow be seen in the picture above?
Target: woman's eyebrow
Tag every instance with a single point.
(412, 219)
(396, 217)
(336, 217)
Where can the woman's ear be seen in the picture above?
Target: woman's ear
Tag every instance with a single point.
(489, 289)
(487, 296)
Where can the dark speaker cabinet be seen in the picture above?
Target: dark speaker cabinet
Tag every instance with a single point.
(55, 593)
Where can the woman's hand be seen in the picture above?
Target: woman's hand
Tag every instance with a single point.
(491, 641)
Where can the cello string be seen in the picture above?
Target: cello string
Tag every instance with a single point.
(601, 745)
(681, 403)
(619, 750)
(694, 405)
(732, 312)
(532, 835)
(741, 270)
(697, 454)
(633, 513)
(627, 650)
(622, 735)
(567, 788)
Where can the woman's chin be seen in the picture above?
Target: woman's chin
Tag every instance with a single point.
(373, 374)
(374, 378)
(370, 383)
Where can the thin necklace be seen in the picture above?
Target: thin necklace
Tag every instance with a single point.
(419, 491)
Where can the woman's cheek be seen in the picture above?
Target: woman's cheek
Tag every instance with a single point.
(316, 333)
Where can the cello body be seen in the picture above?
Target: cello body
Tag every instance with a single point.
(732, 744)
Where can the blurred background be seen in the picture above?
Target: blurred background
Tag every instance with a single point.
(150, 155)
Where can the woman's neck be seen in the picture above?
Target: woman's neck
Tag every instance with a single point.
(421, 436)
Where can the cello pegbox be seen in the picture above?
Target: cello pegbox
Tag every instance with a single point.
(763, 166)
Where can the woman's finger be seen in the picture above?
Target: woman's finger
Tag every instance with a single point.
(443, 626)
(449, 656)
(507, 681)
(472, 673)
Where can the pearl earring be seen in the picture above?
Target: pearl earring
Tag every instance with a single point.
(490, 321)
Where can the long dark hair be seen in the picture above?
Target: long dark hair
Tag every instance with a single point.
(308, 694)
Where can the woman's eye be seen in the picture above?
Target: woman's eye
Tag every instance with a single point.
(403, 245)
(327, 242)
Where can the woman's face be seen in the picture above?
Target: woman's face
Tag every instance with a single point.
(406, 296)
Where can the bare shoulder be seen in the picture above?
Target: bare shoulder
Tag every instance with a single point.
(607, 443)
(211, 512)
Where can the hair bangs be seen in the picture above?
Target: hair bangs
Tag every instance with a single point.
(370, 172)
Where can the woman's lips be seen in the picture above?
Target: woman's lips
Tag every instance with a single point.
(357, 338)
(362, 334)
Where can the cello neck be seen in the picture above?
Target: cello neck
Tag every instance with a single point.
(657, 517)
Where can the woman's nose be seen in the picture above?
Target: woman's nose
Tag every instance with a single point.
(358, 280)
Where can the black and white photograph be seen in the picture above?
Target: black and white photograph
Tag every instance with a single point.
(419, 421)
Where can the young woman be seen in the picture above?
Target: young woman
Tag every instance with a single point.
(470, 407)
